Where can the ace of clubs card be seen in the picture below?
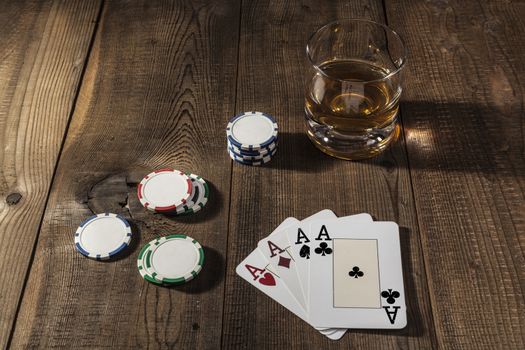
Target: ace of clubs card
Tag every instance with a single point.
(356, 278)
(302, 241)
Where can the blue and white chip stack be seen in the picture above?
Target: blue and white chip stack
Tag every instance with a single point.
(252, 138)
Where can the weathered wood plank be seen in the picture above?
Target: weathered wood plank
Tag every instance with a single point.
(301, 181)
(43, 49)
(463, 111)
(159, 85)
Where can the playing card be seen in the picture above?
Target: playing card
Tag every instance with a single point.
(332, 333)
(356, 277)
(284, 256)
(300, 240)
(278, 250)
(256, 270)
(350, 292)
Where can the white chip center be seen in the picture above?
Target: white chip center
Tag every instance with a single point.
(252, 129)
(165, 189)
(175, 258)
(103, 235)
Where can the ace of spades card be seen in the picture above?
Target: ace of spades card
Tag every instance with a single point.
(282, 253)
(303, 242)
(258, 272)
(356, 278)
(276, 250)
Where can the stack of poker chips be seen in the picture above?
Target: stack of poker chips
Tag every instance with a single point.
(172, 259)
(252, 138)
(172, 191)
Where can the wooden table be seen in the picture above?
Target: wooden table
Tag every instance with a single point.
(94, 94)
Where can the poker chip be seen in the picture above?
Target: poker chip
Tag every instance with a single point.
(144, 270)
(203, 191)
(262, 151)
(173, 192)
(252, 138)
(102, 236)
(170, 260)
(252, 130)
(165, 190)
(258, 162)
(186, 207)
(243, 156)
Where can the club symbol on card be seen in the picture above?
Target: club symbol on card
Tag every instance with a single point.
(305, 252)
(284, 262)
(323, 249)
(356, 272)
(391, 311)
(390, 295)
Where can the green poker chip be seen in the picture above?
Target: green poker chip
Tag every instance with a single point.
(170, 260)
(202, 193)
(141, 264)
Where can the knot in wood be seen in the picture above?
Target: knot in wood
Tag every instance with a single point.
(13, 198)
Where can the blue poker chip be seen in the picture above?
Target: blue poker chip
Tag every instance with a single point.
(261, 152)
(239, 160)
(243, 156)
(102, 236)
(252, 131)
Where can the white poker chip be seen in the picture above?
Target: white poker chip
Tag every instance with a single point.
(252, 130)
(202, 194)
(174, 259)
(243, 156)
(165, 190)
(102, 236)
(262, 151)
(239, 160)
(194, 197)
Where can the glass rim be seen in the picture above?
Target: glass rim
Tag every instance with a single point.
(362, 20)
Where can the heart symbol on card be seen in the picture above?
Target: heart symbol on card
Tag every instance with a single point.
(267, 280)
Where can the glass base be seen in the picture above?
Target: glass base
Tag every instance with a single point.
(352, 147)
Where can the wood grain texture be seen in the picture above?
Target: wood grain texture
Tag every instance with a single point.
(301, 181)
(463, 111)
(158, 89)
(43, 49)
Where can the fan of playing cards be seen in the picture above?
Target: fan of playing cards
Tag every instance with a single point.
(334, 273)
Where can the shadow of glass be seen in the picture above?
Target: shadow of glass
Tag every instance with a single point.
(463, 137)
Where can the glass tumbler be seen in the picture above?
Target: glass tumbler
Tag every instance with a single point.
(353, 86)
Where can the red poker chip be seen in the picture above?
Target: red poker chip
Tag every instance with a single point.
(164, 190)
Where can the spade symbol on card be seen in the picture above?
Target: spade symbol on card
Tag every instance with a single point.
(305, 252)
(323, 249)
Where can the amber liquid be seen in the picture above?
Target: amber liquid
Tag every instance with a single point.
(355, 115)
